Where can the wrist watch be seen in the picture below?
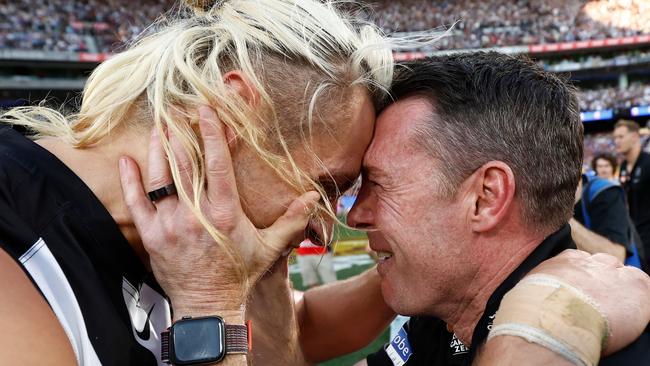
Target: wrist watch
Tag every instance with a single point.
(195, 341)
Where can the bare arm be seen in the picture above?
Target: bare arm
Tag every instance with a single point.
(31, 333)
(593, 243)
(342, 317)
(275, 330)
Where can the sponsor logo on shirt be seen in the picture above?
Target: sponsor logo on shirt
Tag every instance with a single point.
(491, 321)
(150, 315)
(399, 350)
(457, 347)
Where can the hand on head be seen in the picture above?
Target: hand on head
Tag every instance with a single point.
(196, 268)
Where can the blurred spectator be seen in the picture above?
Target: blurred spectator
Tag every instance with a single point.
(635, 176)
(605, 164)
(595, 144)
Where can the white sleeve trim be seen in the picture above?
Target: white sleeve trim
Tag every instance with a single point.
(48, 275)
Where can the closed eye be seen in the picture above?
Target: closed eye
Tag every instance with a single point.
(334, 188)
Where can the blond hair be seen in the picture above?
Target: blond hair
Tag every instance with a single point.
(180, 65)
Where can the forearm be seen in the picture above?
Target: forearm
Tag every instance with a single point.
(271, 311)
(342, 317)
(593, 243)
(509, 350)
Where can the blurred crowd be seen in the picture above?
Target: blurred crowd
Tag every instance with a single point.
(603, 142)
(492, 23)
(101, 26)
(74, 26)
(635, 94)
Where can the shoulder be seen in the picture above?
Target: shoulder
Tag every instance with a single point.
(609, 194)
(31, 331)
(16, 156)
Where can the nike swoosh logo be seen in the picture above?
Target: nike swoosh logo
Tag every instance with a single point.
(145, 333)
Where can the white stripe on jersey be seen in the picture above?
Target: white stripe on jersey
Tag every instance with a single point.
(50, 279)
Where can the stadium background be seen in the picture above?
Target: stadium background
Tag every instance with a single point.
(48, 49)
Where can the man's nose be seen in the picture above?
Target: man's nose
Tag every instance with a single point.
(361, 216)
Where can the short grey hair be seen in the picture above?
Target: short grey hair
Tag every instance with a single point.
(498, 107)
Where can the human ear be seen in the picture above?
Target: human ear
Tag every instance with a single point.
(494, 185)
(237, 81)
(240, 84)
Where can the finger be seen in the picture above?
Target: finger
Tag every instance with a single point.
(219, 170)
(291, 224)
(159, 174)
(141, 209)
(183, 163)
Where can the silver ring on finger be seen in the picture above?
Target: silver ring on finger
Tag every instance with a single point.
(160, 193)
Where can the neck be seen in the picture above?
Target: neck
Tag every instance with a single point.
(633, 155)
(499, 261)
(97, 166)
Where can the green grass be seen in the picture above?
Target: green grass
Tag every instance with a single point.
(352, 358)
(343, 233)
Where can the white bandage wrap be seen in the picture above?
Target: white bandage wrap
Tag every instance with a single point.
(545, 310)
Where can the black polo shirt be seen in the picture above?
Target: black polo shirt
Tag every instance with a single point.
(636, 182)
(52, 225)
(429, 343)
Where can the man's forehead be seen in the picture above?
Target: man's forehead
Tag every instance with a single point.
(400, 120)
(395, 131)
(622, 130)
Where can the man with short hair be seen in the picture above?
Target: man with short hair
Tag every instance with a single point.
(635, 176)
(468, 184)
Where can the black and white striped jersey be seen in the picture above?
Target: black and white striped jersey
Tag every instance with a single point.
(51, 223)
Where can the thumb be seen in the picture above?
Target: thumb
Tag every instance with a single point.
(291, 223)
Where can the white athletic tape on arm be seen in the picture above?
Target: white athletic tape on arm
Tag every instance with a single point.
(545, 310)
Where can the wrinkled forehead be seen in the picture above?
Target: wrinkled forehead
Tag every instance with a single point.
(396, 130)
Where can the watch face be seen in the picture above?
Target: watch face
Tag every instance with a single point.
(199, 340)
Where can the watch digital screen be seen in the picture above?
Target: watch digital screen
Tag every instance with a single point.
(198, 340)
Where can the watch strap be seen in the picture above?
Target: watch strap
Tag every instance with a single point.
(237, 339)
(164, 346)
